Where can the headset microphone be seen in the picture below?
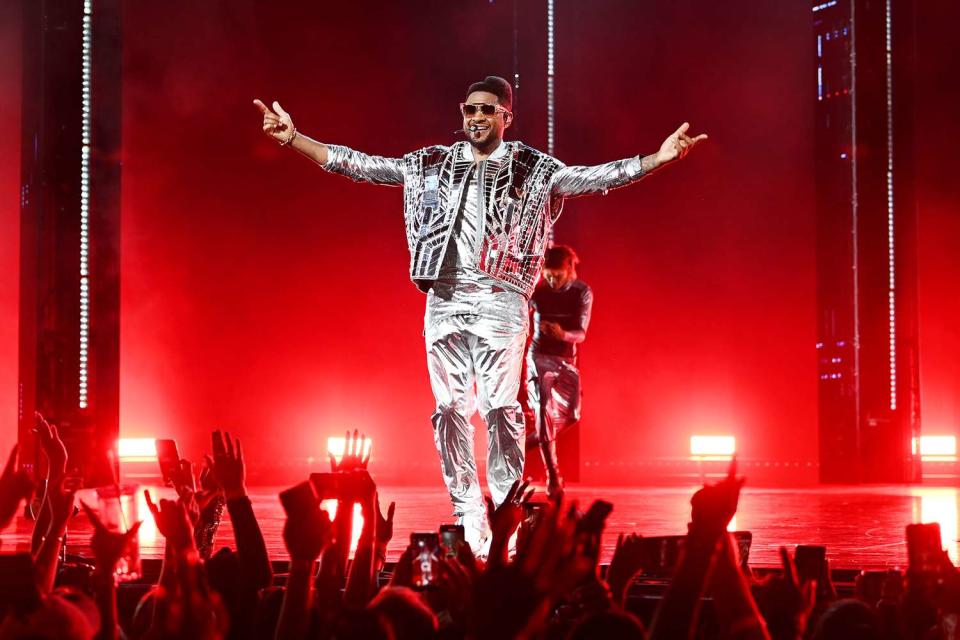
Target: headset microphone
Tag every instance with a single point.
(472, 129)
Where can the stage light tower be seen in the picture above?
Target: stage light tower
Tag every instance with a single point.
(70, 230)
(867, 344)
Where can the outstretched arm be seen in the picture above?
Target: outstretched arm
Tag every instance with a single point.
(570, 182)
(358, 166)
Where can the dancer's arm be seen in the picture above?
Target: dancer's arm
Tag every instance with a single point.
(358, 166)
(575, 181)
(573, 336)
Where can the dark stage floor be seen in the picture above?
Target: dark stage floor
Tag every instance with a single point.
(862, 527)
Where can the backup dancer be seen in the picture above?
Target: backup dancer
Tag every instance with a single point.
(561, 306)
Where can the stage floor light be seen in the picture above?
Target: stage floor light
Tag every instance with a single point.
(330, 506)
(939, 504)
(712, 447)
(936, 448)
(336, 445)
(136, 449)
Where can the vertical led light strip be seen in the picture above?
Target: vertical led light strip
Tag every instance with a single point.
(87, 69)
(891, 264)
(551, 98)
(819, 67)
(855, 214)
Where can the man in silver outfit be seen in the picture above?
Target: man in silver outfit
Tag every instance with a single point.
(477, 216)
(561, 306)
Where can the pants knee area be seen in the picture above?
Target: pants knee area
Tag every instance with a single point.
(499, 414)
(447, 413)
(506, 421)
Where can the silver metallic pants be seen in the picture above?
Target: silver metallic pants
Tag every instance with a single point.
(553, 387)
(456, 361)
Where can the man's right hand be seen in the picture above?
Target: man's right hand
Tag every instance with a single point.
(277, 123)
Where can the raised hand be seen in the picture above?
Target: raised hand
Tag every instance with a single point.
(787, 602)
(61, 494)
(678, 144)
(277, 123)
(353, 457)
(385, 525)
(15, 486)
(185, 481)
(714, 506)
(403, 570)
(455, 586)
(52, 446)
(521, 592)
(505, 519)
(627, 562)
(108, 546)
(206, 481)
(307, 535)
(172, 521)
(208, 489)
(508, 515)
(227, 465)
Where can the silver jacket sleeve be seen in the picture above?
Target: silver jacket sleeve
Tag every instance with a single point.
(363, 167)
(569, 182)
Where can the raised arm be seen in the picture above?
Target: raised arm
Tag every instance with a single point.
(570, 182)
(712, 509)
(278, 125)
(229, 470)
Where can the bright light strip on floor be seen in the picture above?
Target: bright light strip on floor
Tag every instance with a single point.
(940, 505)
(337, 445)
(136, 449)
(85, 143)
(712, 447)
(936, 448)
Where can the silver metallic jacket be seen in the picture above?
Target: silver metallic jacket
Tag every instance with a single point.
(521, 198)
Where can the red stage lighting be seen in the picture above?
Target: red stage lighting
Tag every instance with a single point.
(936, 448)
(712, 447)
(137, 449)
(939, 504)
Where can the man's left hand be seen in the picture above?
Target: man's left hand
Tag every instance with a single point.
(678, 144)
